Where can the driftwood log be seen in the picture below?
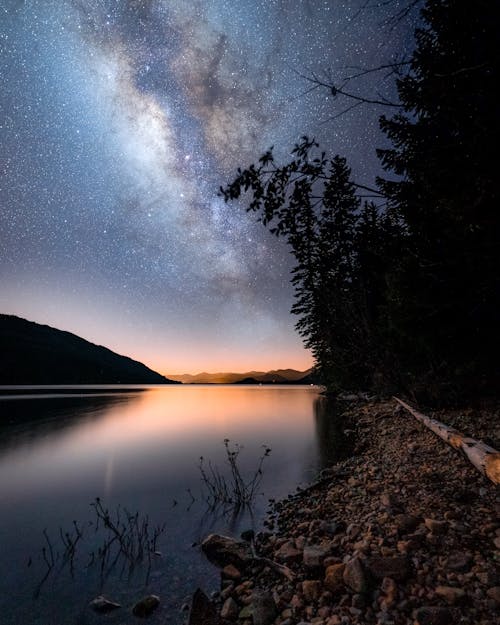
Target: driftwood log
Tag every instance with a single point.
(482, 456)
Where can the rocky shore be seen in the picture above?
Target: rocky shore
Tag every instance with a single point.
(404, 532)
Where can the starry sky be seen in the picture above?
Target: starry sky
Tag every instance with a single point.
(120, 119)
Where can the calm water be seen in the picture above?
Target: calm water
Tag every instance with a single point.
(137, 449)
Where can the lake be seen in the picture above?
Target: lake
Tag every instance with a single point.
(138, 450)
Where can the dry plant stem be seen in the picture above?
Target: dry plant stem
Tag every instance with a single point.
(234, 490)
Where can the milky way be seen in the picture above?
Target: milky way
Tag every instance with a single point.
(119, 122)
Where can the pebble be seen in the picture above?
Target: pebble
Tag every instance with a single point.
(386, 537)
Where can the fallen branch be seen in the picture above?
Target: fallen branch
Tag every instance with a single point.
(278, 568)
(482, 456)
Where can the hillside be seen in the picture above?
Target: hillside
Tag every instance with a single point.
(38, 354)
(278, 376)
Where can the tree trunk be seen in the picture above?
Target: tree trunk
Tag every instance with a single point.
(483, 457)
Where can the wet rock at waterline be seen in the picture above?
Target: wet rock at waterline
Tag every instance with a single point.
(203, 611)
(146, 606)
(222, 550)
(102, 605)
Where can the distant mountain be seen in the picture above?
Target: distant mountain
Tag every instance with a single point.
(31, 353)
(278, 376)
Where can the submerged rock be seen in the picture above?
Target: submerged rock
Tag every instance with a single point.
(146, 606)
(103, 605)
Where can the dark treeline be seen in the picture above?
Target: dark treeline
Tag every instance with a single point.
(404, 295)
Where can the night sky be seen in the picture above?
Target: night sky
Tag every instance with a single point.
(119, 121)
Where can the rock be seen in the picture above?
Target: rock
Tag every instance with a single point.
(433, 615)
(264, 609)
(459, 561)
(358, 601)
(334, 580)
(388, 500)
(407, 523)
(314, 555)
(496, 542)
(202, 611)
(288, 553)
(494, 593)
(230, 609)
(397, 568)
(450, 594)
(231, 572)
(354, 576)
(146, 606)
(435, 526)
(103, 605)
(222, 550)
(245, 613)
(311, 589)
(247, 535)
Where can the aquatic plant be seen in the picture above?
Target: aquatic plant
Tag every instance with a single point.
(231, 488)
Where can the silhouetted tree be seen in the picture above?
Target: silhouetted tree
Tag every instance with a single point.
(445, 294)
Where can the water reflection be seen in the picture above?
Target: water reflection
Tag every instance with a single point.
(140, 450)
(331, 423)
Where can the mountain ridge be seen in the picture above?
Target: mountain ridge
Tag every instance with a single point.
(34, 353)
(276, 376)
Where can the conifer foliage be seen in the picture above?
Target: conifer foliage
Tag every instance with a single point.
(406, 296)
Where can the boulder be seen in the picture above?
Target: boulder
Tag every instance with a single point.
(222, 550)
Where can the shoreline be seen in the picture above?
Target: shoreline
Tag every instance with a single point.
(403, 532)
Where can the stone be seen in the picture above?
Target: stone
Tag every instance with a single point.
(433, 615)
(202, 611)
(388, 500)
(494, 593)
(313, 556)
(450, 594)
(397, 568)
(146, 606)
(222, 550)
(311, 589)
(264, 609)
(459, 561)
(435, 526)
(102, 605)
(354, 576)
(358, 601)
(231, 572)
(246, 612)
(334, 577)
(407, 523)
(288, 553)
(230, 609)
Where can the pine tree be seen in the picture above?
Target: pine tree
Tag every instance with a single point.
(445, 294)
